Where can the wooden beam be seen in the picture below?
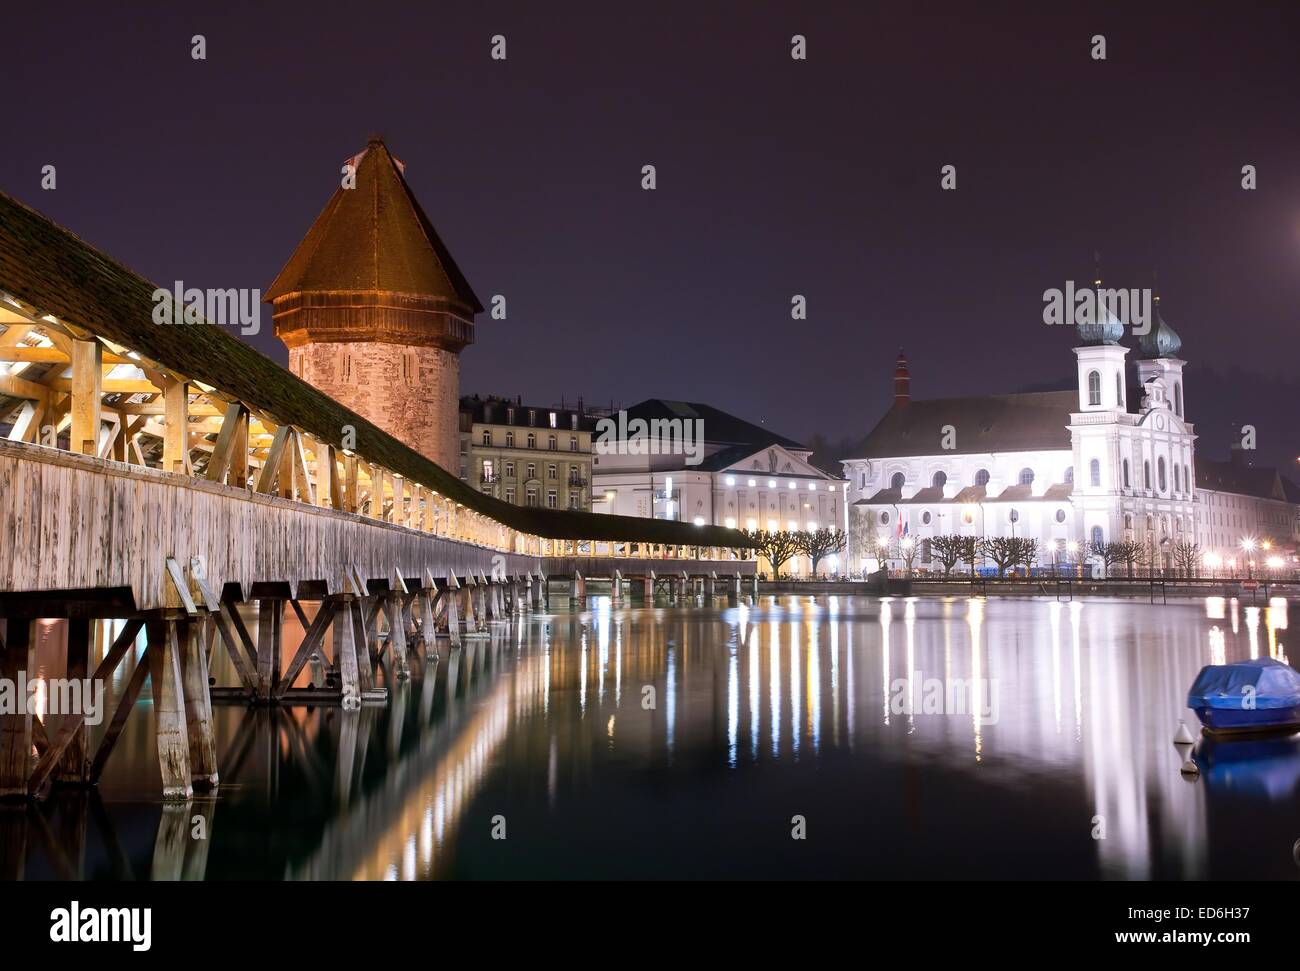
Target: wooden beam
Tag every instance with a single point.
(169, 711)
(87, 378)
(176, 437)
(16, 387)
(236, 415)
(266, 481)
(51, 355)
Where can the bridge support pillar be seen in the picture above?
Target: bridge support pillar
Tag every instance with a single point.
(198, 707)
(616, 587)
(169, 710)
(535, 586)
(18, 659)
(682, 584)
(753, 587)
(467, 602)
(578, 589)
(648, 588)
(734, 588)
(393, 612)
(712, 583)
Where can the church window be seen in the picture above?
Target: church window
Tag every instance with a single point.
(1126, 478)
(1069, 475)
(1119, 389)
(1177, 478)
(925, 518)
(1060, 515)
(967, 517)
(1178, 398)
(940, 480)
(1094, 387)
(1128, 520)
(1014, 515)
(1094, 473)
(1146, 474)
(1097, 536)
(1160, 473)
(884, 518)
(1026, 477)
(1187, 478)
(897, 481)
(982, 477)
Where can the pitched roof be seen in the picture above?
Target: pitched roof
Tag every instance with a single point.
(374, 237)
(1246, 480)
(719, 427)
(993, 423)
(47, 266)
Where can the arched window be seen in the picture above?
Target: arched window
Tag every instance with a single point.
(1094, 473)
(940, 480)
(1178, 476)
(1119, 389)
(1026, 477)
(1178, 398)
(1187, 479)
(1128, 520)
(982, 477)
(1094, 387)
(1146, 474)
(1014, 516)
(897, 481)
(1069, 475)
(1097, 536)
(1160, 473)
(1126, 480)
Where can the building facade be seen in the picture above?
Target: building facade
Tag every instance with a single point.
(375, 311)
(700, 465)
(1247, 517)
(527, 455)
(1111, 459)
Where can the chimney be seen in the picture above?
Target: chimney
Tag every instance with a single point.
(581, 410)
(902, 380)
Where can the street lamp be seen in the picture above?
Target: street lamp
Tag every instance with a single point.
(1248, 547)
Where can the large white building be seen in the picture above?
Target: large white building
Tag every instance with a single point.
(720, 470)
(1111, 459)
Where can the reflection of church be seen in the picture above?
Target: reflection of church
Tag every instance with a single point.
(1111, 459)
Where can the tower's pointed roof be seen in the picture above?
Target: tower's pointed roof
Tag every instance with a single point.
(374, 237)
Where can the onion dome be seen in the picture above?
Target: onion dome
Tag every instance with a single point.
(1161, 340)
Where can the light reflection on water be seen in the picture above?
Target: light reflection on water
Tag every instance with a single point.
(917, 738)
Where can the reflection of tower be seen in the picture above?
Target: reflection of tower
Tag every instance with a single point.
(375, 311)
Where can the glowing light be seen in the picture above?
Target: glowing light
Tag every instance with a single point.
(794, 485)
(731, 522)
(1247, 543)
(751, 483)
(773, 525)
(699, 520)
(812, 527)
(771, 483)
(1275, 562)
(794, 525)
(1213, 560)
(812, 486)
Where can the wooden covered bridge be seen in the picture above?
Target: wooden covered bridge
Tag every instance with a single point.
(172, 477)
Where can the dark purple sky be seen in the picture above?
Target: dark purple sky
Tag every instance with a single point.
(776, 177)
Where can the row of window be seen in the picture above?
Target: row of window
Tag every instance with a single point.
(1182, 475)
(552, 471)
(552, 498)
(531, 440)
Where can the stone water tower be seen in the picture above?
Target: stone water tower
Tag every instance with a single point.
(375, 311)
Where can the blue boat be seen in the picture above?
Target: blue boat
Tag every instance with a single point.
(1260, 695)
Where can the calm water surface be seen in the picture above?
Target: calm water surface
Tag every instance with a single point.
(682, 741)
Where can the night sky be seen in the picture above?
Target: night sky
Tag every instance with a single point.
(775, 177)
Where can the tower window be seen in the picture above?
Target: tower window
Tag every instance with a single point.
(1026, 477)
(1126, 480)
(897, 481)
(1178, 398)
(939, 480)
(1160, 473)
(347, 373)
(1146, 474)
(1119, 389)
(1097, 537)
(1094, 387)
(1094, 473)
(982, 477)
(410, 367)
(1069, 475)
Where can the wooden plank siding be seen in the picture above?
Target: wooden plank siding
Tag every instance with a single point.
(76, 522)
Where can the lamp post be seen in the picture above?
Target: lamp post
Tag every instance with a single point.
(1248, 548)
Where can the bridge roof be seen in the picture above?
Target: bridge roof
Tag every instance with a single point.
(374, 236)
(49, 267)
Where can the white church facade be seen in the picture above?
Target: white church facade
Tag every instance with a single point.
(1111, 459)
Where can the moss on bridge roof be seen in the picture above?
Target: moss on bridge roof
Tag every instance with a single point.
(52, 269)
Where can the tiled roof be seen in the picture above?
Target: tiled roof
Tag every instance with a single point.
(1031, 421)
(374, 237)
(1260, 482)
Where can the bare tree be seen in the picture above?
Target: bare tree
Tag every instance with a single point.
(820, 543)
(1007, 551)
(907, 552)
(777, 547)
(1187, 557)
(1108, 553)
(1129, 552)
(949, 551)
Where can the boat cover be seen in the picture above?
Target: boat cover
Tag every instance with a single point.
(1276, 685)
